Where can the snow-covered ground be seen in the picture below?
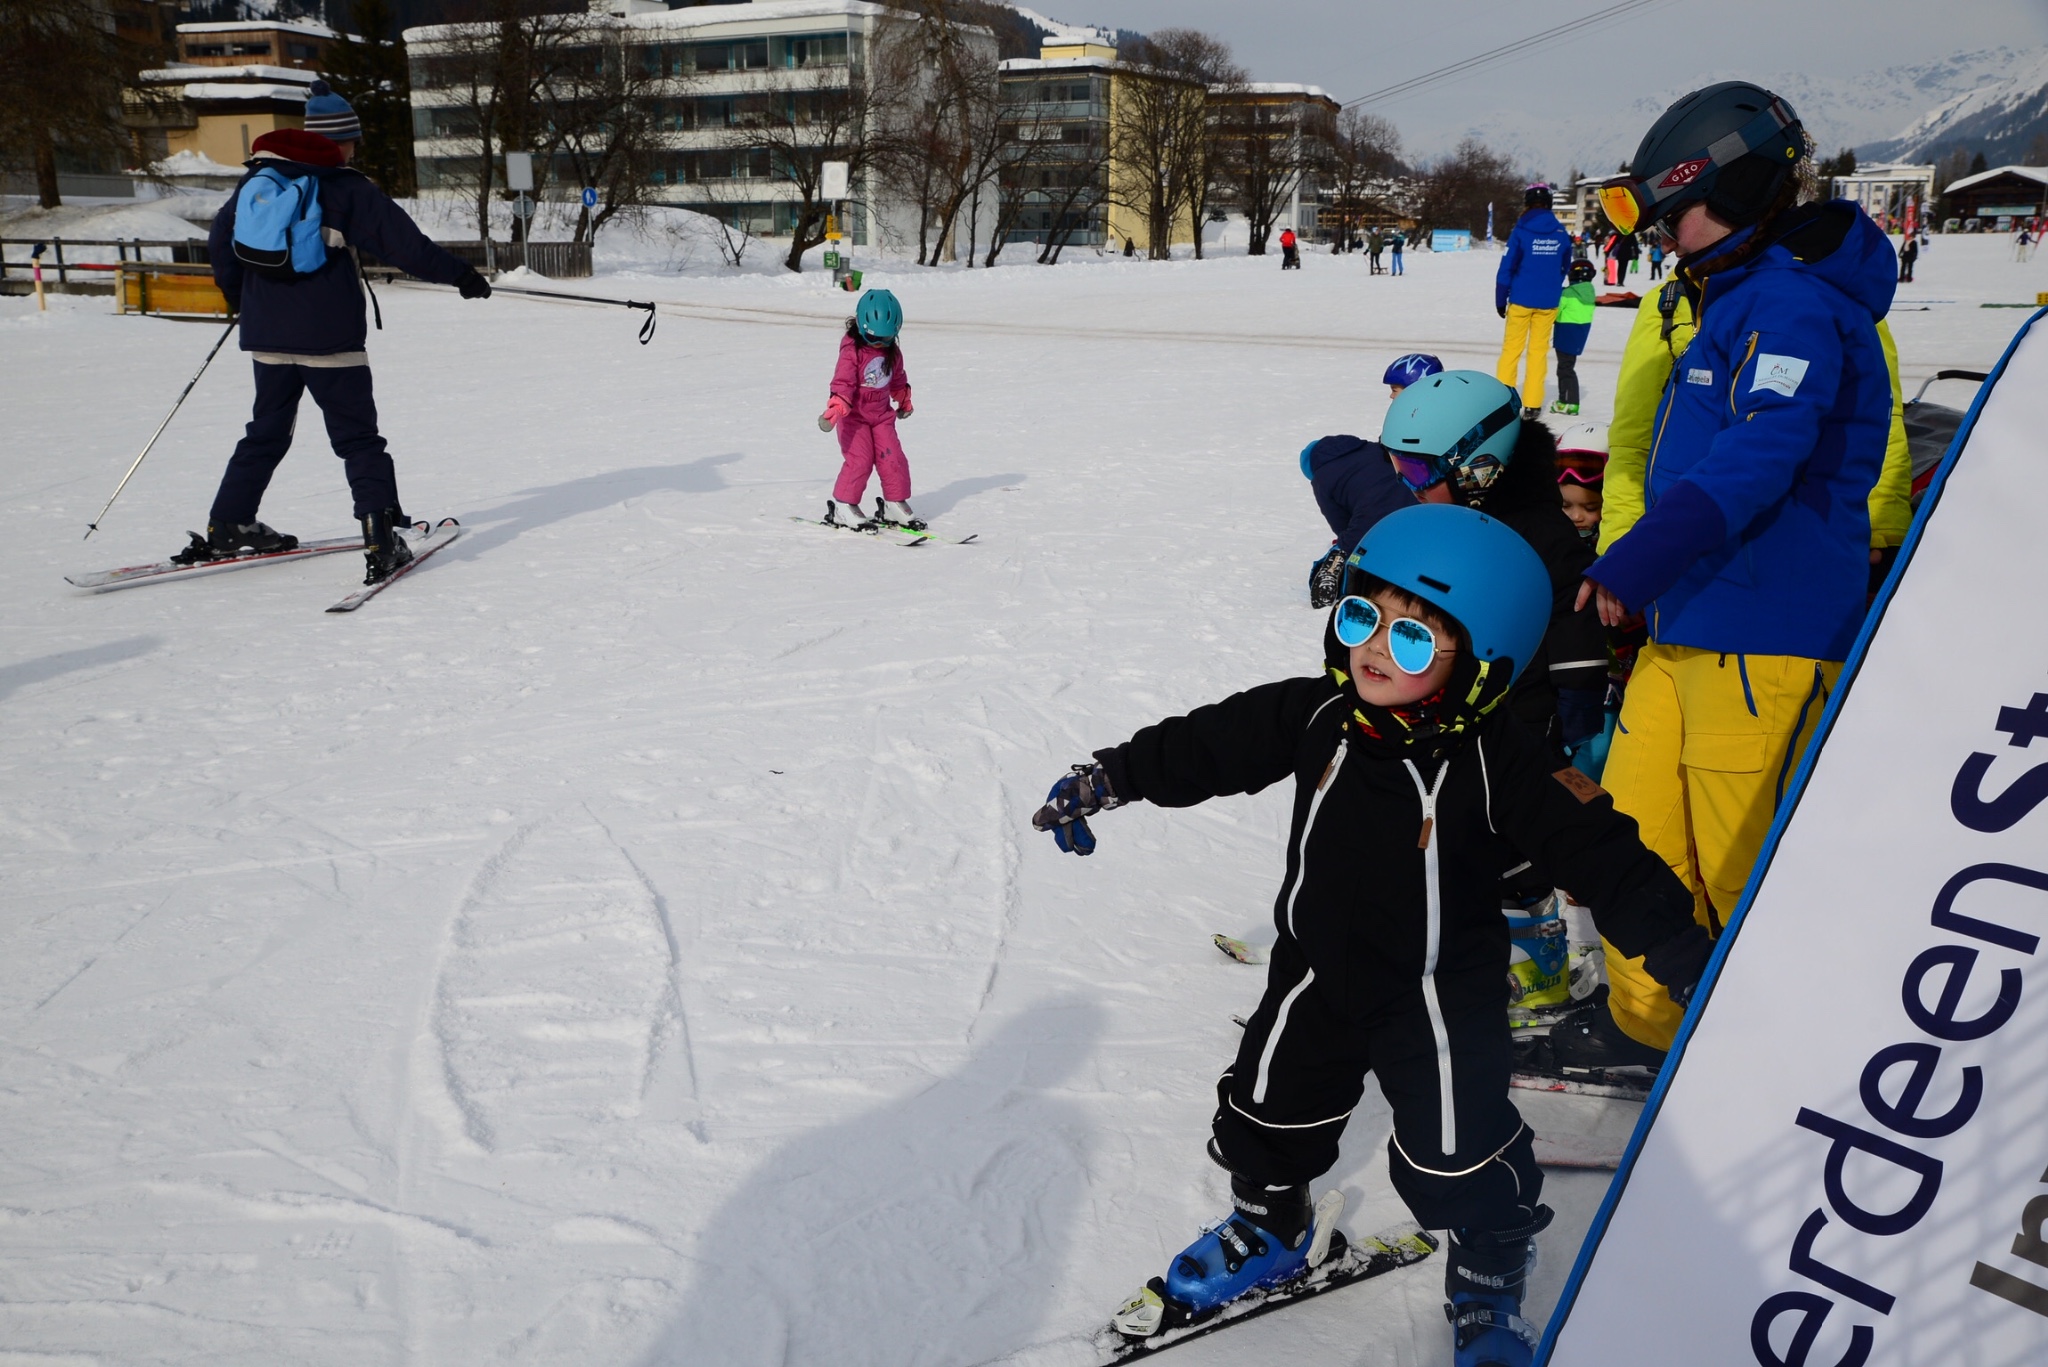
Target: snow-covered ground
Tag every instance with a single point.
(623, 942)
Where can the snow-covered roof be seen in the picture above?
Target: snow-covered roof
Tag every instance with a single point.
(1059, 64)
(251, 25)
(255, 71)
(222, 90)
(2038, 174)
(758, 12)
(190, 163)
(1278, 88)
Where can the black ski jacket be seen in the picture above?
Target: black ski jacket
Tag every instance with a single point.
(1394, 866)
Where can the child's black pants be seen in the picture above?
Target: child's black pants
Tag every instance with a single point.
(1567, 377)
(346, 401)
(1301, 1070)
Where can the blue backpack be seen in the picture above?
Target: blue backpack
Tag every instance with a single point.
(277, 224)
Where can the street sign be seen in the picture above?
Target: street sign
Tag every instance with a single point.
(590, 196)
(519, 170)
(522, 207)
(832, 181)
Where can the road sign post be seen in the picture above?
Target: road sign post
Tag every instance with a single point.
(834, 187)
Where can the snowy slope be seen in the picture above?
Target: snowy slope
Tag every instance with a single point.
(622, 942)
(2000, 118)
(1840, 111)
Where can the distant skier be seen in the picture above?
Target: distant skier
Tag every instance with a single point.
(1656, 259)
(1395, 246)
(1413, 789)
(870, 391)
(301, 303)
(1290, 250)
(1525, 291)
(1574, 326)
(1375, 244)
(1908, 254)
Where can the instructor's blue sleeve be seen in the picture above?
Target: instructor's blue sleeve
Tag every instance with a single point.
(1666, 541)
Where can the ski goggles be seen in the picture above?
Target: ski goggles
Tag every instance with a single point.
(1419, 470)
(1632, 202)
(1567, 475)
(1411, 644)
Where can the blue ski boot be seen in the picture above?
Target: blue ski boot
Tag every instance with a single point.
(1265, 1241)
(1485, 1278)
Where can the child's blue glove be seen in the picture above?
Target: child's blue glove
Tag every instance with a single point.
(1075, 798)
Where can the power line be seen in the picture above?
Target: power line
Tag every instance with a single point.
(1515, 48)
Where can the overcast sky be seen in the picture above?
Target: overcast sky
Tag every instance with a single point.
(1351, 47)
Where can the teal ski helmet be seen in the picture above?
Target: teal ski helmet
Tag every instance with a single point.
(1475, 569)
(878, 315)
(1460, 425)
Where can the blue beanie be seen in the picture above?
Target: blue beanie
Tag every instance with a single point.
(330, 115)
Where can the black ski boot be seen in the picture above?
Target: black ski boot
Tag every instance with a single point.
(1588, 1041)
(1485, 1275)
(384, 550)
(1326, 579)
(227, 541)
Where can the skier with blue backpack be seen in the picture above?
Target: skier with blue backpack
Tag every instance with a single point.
(1414, 787)
(283, 252)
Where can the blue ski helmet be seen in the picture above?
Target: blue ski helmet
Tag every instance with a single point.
(1413, 368)
(1308, 471)
(1460, 425)
(1475, 569)
(878, 315)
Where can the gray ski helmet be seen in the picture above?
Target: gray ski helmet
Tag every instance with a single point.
(1732, 145)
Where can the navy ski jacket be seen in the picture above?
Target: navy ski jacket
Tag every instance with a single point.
(1355, 486)
(1533, 268)
(322, 313)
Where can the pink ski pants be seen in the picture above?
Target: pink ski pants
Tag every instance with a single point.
(871, 446)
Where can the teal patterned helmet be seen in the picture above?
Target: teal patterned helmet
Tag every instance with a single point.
(878, 315)
(1459, 426)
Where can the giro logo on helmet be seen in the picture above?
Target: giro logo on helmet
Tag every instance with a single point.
(1685, 173)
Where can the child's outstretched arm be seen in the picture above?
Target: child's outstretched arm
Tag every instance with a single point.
(1240, 745)
(1567, 825)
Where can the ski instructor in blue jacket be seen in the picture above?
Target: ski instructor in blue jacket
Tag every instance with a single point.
(1526, 291)
(308, 331)
(1751, 560)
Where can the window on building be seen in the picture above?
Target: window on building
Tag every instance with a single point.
(751, 56)
(823, 49)
(206, 50)
(304, 52)
(711, 56)
(249, 49)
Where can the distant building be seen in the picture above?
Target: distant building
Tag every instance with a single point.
(1297, 124)
(1995, 199)
(1885, 189)
(230, 83)
(706, 64)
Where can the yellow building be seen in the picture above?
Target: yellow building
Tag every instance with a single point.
(1076, 102)
(231, 84)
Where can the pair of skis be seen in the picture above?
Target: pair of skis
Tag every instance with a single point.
(425, 540)
(888, 533)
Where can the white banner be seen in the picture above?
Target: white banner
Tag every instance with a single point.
(1849, 1163)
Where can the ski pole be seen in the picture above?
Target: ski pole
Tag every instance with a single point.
(646, 328)
(94, 525)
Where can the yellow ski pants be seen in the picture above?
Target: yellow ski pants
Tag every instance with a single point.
(1706, 747)
(1527, 329)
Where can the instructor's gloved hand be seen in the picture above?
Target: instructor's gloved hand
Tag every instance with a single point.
(473, 286)
(1500, 300)
(1680, 961)
(1075, 798)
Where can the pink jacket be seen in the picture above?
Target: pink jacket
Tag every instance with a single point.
(868, 377)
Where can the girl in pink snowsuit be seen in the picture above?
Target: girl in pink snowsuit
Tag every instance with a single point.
(870, 390)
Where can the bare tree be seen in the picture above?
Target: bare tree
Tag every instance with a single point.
(600, 121)
(1266, 152)
(1161, 119)
(1363, 159)
(1457, 189)
(367, 68)
(1207, 61)
(63, 68)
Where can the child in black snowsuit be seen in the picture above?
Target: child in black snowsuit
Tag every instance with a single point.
(1414, 790)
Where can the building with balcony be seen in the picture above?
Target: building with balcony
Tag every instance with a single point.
(1288, 132)
(707, 73)
(1885, 189)
(228, 85)
(266, 42)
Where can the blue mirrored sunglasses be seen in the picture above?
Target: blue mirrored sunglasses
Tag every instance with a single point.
(1410, 643)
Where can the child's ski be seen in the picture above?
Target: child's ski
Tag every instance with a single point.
(1240, 951)
(421, 550)
(1597, 1082)
(128, 576)
(888, 535)
(1346, 1263)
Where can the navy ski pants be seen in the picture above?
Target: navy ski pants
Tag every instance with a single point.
(346, 402)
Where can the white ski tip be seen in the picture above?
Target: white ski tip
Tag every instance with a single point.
(1240, 951)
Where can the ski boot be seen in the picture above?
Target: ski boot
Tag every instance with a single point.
(1272, 1237)
(226, 541)
(1326, 579)
(897, 515)
(384, 550)
(1588, 1040)
(1485, 1276)
(1531, 414)
(847, 515)
(1570, 409)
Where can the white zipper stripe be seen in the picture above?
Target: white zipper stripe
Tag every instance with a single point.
(1273, 1039)
(1433, 941)
(1309, 824)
